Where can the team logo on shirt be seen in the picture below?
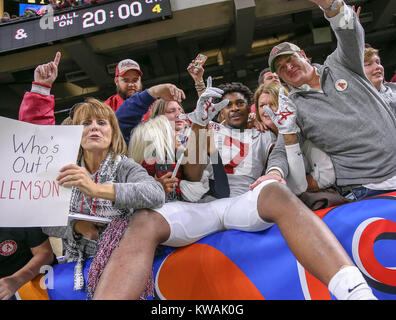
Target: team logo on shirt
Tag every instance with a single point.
(8, 247)
(341, 85)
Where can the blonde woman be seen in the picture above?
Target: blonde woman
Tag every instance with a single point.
(171, 110)
(152, 145)
(262, 119)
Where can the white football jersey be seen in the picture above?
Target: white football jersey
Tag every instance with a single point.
(244, 155)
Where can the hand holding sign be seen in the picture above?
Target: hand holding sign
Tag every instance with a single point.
(47, 73)
(73, 175)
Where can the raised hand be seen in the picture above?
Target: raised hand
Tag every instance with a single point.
(323, 3)
(331, 7)
(47, 73)
(357, 11)
(206, 109)
(197, 76)
(285, 117)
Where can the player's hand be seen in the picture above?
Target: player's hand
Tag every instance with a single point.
(285, 117)
(268, 176)
(357, 11)
(206, 109)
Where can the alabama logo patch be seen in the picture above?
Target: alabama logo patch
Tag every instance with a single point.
(341, 85)
(8, 248)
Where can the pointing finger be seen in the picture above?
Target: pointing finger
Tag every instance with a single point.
(57, 58)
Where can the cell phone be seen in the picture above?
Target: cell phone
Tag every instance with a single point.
(199, 61)
(163, 168)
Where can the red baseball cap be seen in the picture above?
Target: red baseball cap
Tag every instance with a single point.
(126, 65)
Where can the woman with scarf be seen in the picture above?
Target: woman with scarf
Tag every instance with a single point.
(105, 182)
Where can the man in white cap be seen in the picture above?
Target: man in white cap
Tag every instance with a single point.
(128, 80)
(131, 102)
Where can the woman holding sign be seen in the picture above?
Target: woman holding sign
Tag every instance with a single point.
(106, 184)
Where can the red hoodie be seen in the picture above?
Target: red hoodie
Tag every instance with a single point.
(38, 108)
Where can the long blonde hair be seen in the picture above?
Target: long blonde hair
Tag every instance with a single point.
(93, 108)
(153, 139)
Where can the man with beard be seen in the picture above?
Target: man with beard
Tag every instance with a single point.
(131, 102)
(128, 81)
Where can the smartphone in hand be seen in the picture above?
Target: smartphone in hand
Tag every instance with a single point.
(163, 168)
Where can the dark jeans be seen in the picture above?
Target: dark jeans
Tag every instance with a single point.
(362, 192)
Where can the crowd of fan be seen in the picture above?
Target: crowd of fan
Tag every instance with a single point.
(56, 5)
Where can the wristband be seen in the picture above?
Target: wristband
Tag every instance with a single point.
(40, 88)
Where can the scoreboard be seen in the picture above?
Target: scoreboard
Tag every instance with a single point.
(57, 25)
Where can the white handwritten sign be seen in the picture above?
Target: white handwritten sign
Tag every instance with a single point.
(31, 156)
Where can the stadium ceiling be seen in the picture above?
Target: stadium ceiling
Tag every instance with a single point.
(236, 35)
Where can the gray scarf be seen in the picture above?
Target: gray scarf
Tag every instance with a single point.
(78, 250)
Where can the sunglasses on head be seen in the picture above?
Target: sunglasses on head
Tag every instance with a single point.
(73, 109)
